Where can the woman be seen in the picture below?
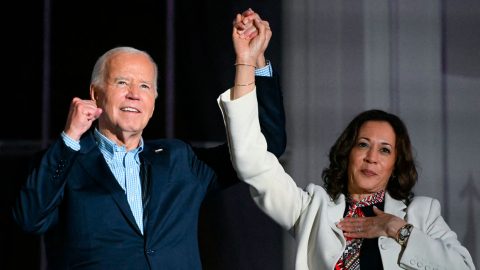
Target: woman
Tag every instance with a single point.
(367, 216)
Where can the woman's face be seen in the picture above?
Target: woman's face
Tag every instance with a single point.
(372, 159)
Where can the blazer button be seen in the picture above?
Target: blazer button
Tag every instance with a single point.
(55, 176)
(150, 252)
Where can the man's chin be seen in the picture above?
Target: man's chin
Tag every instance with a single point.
(131, 129)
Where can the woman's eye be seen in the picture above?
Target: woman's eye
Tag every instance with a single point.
(385, 150)
(362, 145)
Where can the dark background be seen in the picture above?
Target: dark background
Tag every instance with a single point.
(233, 233)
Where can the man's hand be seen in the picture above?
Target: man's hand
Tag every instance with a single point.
(382, 224)
(247, 30)
(80, 117)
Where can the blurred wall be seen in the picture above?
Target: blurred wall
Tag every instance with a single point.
(417, 59)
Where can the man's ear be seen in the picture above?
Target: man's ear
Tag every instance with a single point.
(93, 93)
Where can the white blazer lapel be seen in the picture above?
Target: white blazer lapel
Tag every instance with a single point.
(336, 208)
(394, 207)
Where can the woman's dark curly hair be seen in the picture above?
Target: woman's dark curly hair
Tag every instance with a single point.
(404, 176)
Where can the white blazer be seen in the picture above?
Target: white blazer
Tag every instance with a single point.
(309, 214)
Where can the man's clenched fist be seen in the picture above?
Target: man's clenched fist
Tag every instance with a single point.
(80, 117)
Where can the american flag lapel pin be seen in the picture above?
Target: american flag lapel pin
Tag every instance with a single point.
(158, 150)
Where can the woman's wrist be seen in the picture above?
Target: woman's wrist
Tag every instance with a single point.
(244, 77)
(393, 229)
(404, 234)
(246, 60)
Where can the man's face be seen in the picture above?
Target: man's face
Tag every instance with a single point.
(128, 95)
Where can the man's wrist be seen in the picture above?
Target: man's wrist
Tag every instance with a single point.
(72, 135)
(261, 62)
(70, 142)
(266, 71)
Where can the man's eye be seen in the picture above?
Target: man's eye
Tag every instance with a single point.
(145, 86)
(122, 82)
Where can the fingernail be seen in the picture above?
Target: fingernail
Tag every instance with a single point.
(242, 36)
(241, 32)
(341, 219)
(257, 20)
(375, 206)
(245, 21)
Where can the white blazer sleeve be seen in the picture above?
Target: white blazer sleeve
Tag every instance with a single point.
(272, 189)
(433, 246)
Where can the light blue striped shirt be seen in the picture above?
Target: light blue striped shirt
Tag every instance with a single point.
(266, 71)
(125, 166)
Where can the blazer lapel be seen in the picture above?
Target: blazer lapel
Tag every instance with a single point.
(394, 207)
(94, 164)
(336, 208)
(157, 159)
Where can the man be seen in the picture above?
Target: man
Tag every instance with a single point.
(106, 199)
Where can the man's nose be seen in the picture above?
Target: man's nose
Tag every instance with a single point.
(133, 92)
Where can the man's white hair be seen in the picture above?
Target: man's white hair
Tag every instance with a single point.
(98, 75)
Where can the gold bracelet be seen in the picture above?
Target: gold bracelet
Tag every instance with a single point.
(244, 84)
(245, 64)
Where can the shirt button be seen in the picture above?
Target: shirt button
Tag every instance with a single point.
(150, 252)
(383, 246)
(412, 261)
(420, 264)
(427, 267)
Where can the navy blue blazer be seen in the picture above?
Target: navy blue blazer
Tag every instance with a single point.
(74, 199)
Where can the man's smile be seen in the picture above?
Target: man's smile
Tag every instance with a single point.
(130, 109)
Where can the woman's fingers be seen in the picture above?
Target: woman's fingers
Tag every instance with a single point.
(237, 23)
(360, 227)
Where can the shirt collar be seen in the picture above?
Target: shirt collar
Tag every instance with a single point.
(372, 199)
(111, 147)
